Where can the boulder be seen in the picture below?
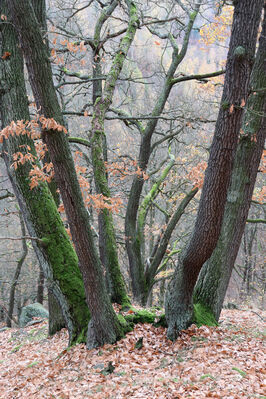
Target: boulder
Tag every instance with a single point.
(31, 311)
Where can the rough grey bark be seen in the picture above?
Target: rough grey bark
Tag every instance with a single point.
(214, 277)
(104, 326)
(179, 304)
(17, 273)
(56, 319)
(40, 288)
(58, 260)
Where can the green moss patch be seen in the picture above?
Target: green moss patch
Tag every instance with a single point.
(140, 316)
(203, 316)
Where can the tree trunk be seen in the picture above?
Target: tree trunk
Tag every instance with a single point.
(17, 274)
(102, 99)
(104, 326)
(58, 259)
(179, 304)
(56, 319)
(214, 277)
(40, 288)
(56, 322)
(39, 8)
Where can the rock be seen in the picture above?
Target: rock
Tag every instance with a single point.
(31, 311)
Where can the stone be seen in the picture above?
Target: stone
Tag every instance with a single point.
(31, 311)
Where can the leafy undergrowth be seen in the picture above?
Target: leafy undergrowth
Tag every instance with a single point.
(207, 362)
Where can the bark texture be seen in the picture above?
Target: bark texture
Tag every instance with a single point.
(57, 260)
(214, 277)
(102, 99)
(14, 283)
(104, 326)
(179, 306)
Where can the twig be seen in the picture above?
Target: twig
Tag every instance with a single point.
(22, 238)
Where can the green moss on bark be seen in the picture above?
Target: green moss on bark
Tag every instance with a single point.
(126, 324)
(120, 294)
(62, 257)
(117, 285)
(203, 316)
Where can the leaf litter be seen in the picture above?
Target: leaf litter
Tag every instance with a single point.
(227, 361)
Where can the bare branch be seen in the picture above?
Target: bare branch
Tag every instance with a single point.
(200, 77)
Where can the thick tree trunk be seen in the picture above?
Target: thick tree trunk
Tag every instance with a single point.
(57, 260)
(179, 306)
(39, 7)
(56, 319)
(214, 277)
(104, 326)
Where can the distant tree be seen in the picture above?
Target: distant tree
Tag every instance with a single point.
(179, 302)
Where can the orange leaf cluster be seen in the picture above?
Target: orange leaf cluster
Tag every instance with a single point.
(30, 128)
(51, 124)
(41, 149)
(6, 55)
(20, 158)
(219, 29)
(15, 129)
(44, 174)
(99, 201)
(125, 168)
(196, 174)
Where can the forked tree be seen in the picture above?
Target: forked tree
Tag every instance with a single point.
(240, 59)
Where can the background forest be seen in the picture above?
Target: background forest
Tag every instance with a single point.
(138, 88)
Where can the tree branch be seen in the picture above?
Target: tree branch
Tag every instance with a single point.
(199, 77)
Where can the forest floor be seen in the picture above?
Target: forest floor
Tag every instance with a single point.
(207, 362)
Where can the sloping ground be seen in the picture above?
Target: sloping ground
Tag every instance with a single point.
(217, 362)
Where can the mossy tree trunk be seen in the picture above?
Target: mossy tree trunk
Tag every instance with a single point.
(102, 100)
(39, 7)
(133, 245)
(56, 319)
(58, 259)
(104, 326)
(179, 304)
(214, 277)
